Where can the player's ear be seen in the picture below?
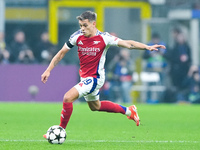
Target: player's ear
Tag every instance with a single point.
(94, 23)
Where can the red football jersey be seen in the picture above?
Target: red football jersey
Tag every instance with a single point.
(92, 52)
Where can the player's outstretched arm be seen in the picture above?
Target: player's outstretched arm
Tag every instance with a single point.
(56, 59)
(130, 44)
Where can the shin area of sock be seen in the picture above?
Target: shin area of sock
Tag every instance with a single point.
(66, 114)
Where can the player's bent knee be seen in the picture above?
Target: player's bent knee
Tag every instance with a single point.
(67, 99)
(94, 105)
(71, 96)
(96, 108)
(93, 109)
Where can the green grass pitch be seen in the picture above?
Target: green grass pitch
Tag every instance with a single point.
(163, 127)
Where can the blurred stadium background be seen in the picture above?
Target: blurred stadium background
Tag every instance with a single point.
(130, 19)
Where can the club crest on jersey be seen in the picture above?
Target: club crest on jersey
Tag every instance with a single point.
(96, 42)
(80, 43)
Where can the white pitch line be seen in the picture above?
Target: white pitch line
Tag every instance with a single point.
(102, 141)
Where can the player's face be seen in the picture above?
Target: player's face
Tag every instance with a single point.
(87, 27)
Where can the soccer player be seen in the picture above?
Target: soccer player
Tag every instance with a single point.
(92, 47)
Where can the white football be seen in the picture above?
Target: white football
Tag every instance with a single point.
(56, 134)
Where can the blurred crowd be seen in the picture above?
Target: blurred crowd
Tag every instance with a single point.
(173, 65)
(18, 51)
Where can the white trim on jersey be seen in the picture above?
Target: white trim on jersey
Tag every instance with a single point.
(74, 37)
(110, 39)
(98, 32)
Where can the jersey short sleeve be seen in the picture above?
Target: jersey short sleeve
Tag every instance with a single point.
(110, 39)
(72, 40)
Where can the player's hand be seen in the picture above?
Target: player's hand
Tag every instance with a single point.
(45, 76)
(155, 47)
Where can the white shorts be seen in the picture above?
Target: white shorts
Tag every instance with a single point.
(89, 88)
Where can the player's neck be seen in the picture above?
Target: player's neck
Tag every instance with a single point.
(94, 32)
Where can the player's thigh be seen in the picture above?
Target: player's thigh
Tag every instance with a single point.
(71, 95)
(86, 86)
(93, 95)
(94, 105)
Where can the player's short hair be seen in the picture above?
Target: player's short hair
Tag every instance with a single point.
(91, 16)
